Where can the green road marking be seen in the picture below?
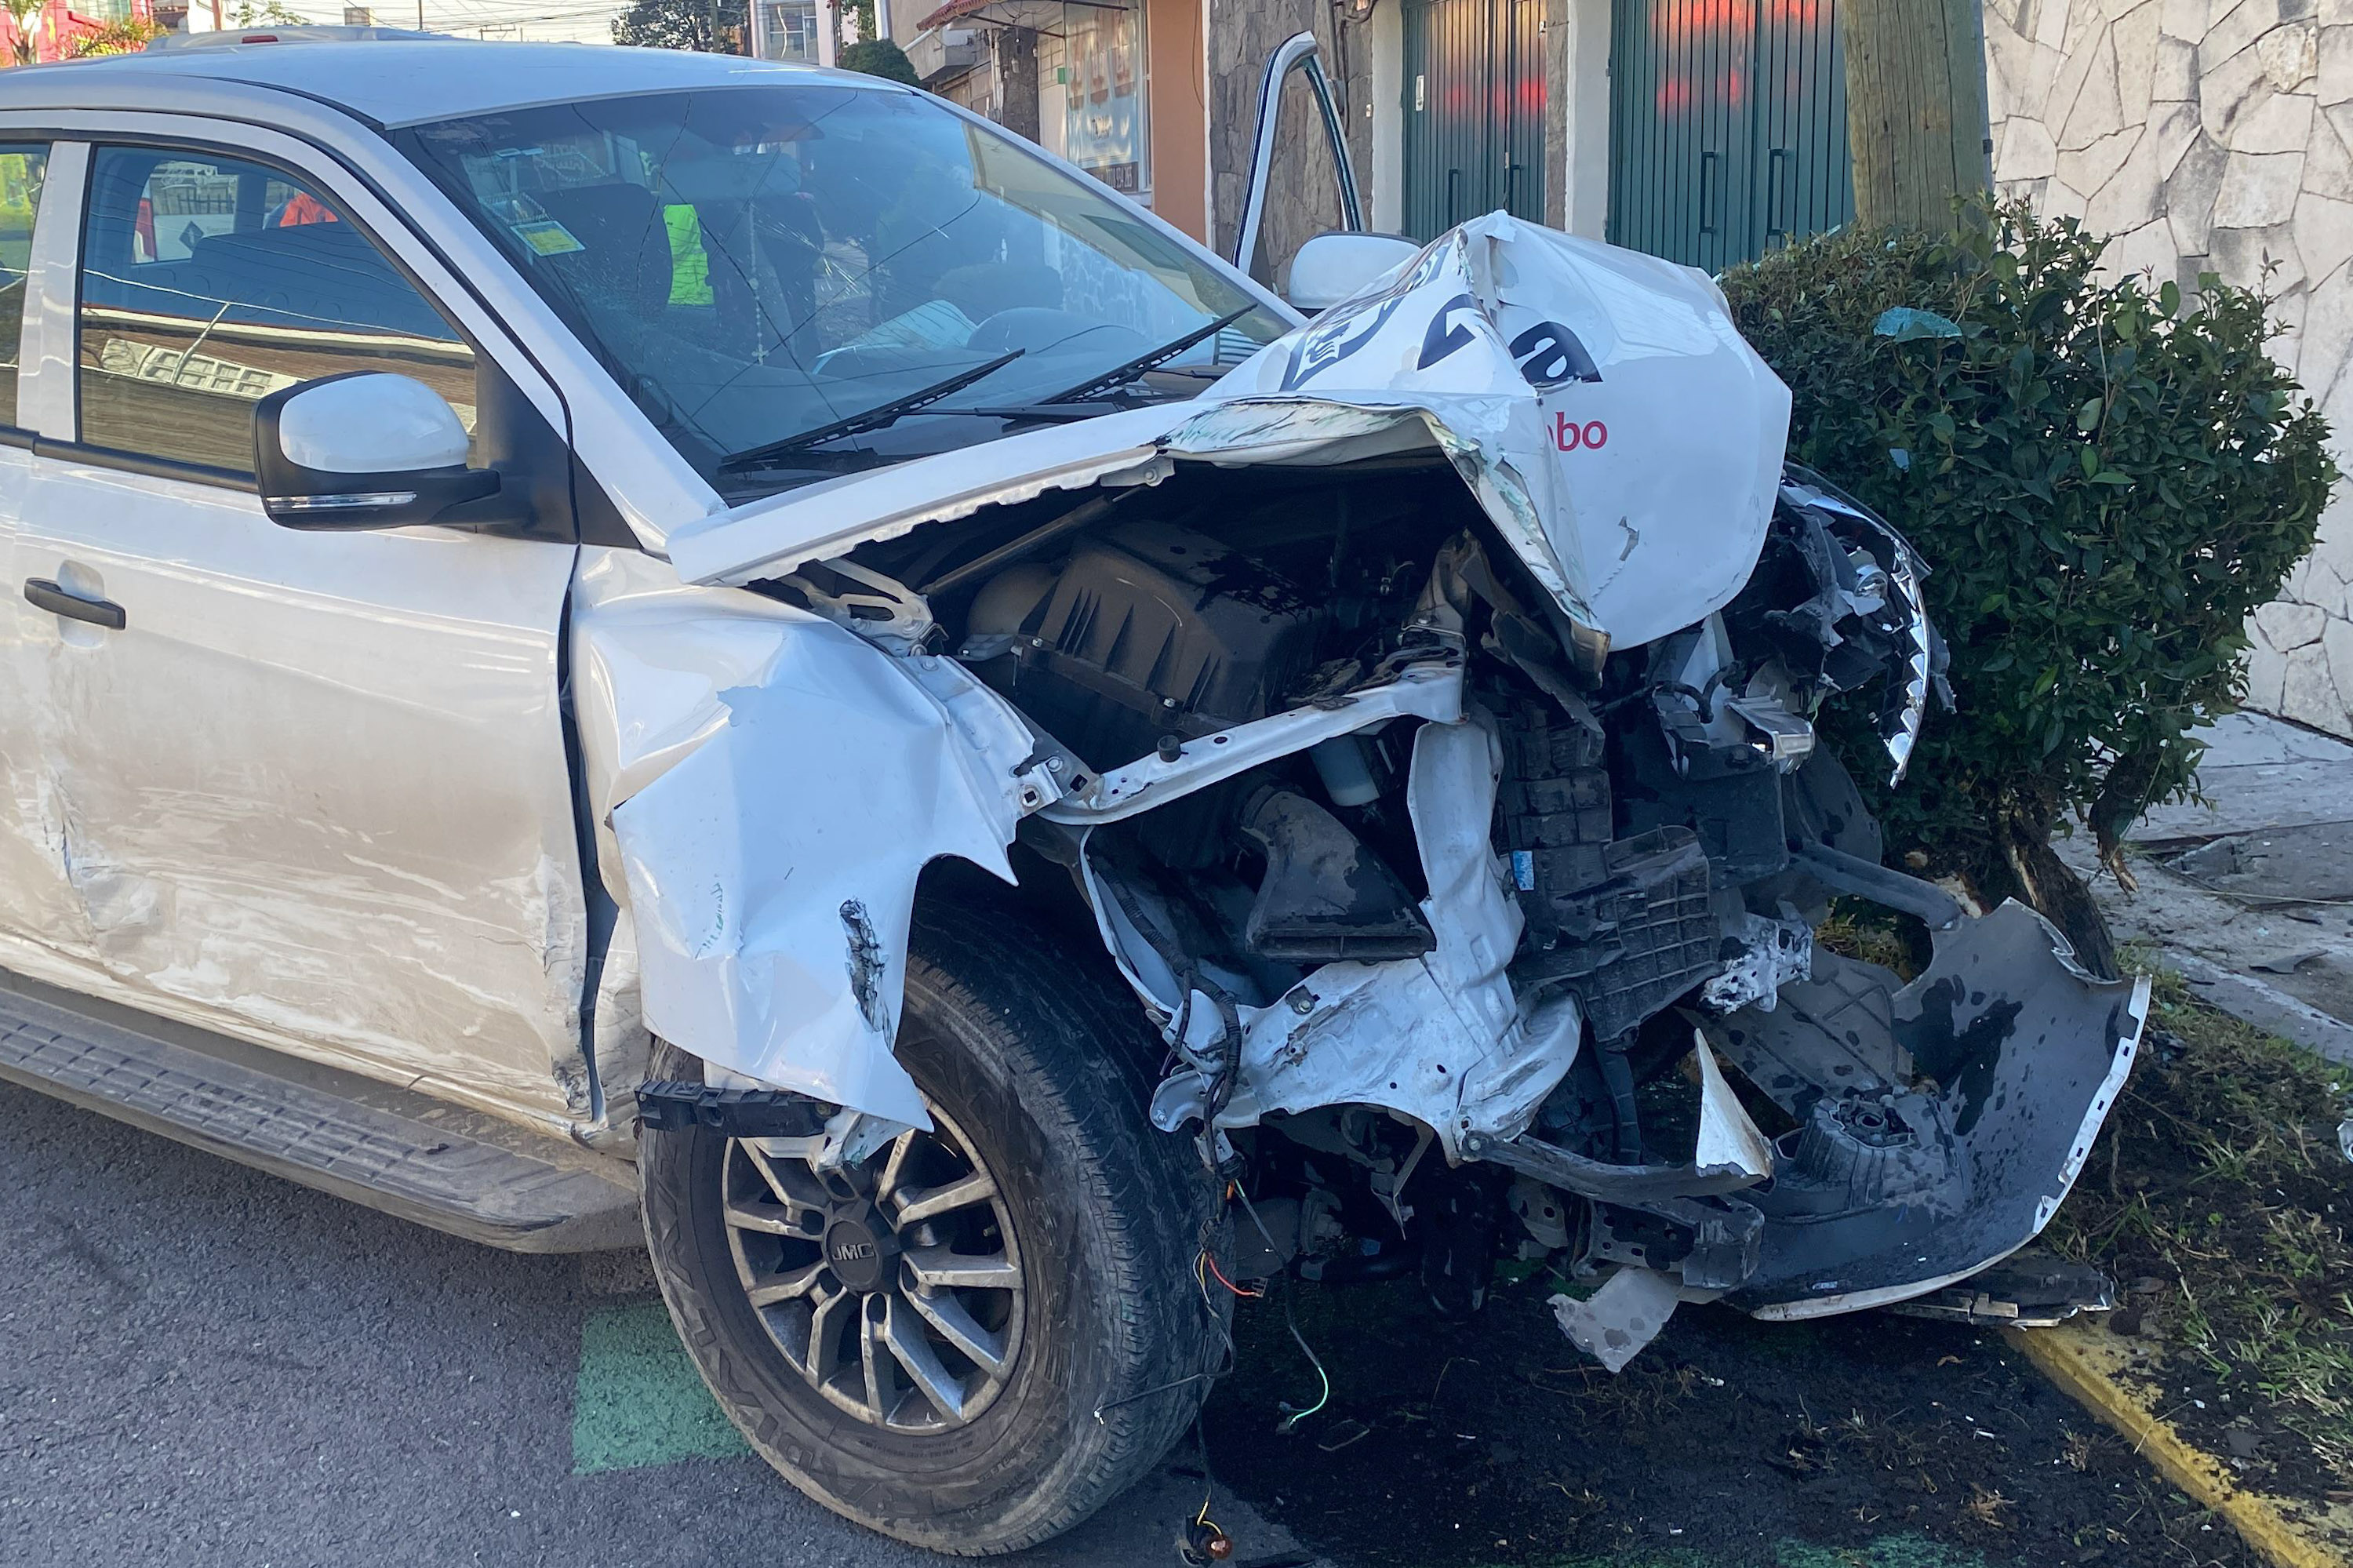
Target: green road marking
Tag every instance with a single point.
(1888, 1551)
(637, 1400)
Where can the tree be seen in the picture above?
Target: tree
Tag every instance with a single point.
(24, 43)
(880, 57)
(706, 26)
(269, 13)
(1915, 109)
(127, 36)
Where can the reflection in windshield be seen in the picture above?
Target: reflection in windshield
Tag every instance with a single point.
(757, 263)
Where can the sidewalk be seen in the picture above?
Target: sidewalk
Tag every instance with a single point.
(2250, 897)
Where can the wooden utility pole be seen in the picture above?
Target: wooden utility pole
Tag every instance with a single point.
(1915, 108)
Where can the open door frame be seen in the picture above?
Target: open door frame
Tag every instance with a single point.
(1301, 53)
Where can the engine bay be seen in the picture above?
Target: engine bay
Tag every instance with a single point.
(1470, 936)
(1644, 808)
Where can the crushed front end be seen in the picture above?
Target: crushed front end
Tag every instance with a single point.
(1425, 723)
(1460, 950)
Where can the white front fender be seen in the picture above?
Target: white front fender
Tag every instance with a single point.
(771, 862)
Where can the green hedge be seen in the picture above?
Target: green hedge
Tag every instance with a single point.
(880, 57)
(2106, 479)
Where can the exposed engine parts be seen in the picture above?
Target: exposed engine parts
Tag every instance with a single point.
(1324, 895)
(1466, 940)
(1147, 630)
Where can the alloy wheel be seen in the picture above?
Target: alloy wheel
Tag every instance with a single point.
(894, 1286)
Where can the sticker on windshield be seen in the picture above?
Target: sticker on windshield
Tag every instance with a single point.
(546, 237)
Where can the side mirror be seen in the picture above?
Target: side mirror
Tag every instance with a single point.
(1331, 266)
(365, 449)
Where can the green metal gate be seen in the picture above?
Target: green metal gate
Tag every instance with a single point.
(1727, 127)
(1475, 111)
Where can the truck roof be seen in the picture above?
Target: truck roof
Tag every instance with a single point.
(389, 81)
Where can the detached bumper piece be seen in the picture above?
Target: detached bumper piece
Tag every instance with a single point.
(1932, 1129)
(1941, 1123)
(2030, 1290)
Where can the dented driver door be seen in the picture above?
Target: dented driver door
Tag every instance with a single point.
(306, 787)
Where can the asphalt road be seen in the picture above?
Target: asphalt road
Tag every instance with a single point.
(203, 1365)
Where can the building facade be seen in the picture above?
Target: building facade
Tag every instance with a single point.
(2204, 135)
(59, 27)
(1159, 97)
(1721, 132)
(784, 30)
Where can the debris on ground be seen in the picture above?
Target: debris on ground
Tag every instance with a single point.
(1729, 1442)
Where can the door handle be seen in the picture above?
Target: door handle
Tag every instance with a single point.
(46, 595)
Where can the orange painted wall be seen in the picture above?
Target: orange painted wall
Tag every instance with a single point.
(1177, 114)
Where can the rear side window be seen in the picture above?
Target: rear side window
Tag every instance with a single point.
(21, 169)
(209, 283)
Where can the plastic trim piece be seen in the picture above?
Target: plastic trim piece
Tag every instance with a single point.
(668, 1105)
(140, 464)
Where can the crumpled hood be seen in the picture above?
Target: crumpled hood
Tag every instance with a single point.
(1623, 438)
(1615, 427)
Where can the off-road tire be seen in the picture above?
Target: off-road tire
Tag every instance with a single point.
(1042, 1061)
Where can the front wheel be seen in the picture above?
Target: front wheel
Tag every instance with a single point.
(986, 1331)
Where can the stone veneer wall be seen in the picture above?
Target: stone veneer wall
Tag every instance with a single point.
(1303, 190)
(2211, 137)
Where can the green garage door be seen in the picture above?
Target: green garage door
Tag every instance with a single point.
(1727, 127)
(1475, 111)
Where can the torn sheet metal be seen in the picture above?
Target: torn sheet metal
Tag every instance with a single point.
(1728, 1139)
(1771, 953)
(1730, 1154)
(1615, 1322)
(1564, 380)
(772, 536)
(771, 833)
(1441, 1038)
(1431, 691)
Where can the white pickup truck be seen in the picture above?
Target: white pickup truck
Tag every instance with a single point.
(601, 634)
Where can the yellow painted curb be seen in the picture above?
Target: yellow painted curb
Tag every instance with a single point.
(2085, 1360)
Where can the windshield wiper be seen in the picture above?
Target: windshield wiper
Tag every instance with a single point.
(873, 419)
(1119, 375)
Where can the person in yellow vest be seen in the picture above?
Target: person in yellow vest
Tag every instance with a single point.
(690, 263)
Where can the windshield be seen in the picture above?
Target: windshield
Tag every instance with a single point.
(757, 263)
